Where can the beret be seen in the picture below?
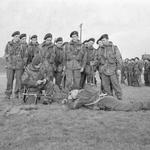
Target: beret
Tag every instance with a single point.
(59, 39)
(85, 42)
(15, 33)
(22, 35)
(98, 41)
(137, 58)
(48, 35)
(33, 36)
(91, 39)
(36, 60)
(74, 33)
(133, 59)
(104, 36)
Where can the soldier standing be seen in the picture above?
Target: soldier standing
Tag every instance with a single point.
(48, 56)
(110, 66)
(58, 48)
(137, 72)
(124, 71)
(130, 72)
(33, 48)
(90, 67)
(14, 65)
(73, 58)
(83, 74)
(24, 47)
(98, 59)
(147, 72)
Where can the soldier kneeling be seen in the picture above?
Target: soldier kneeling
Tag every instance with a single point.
(34, 79)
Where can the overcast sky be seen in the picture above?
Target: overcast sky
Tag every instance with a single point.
(126, 21)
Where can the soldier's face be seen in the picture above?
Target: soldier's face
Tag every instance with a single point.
(74, 38)
(59, 43)
(23, 40)
(48, 40)
(105, 41)
(16, 38)
(34, 40)
(100, 43)
(90, 43)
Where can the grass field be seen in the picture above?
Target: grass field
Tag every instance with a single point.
(55, 127)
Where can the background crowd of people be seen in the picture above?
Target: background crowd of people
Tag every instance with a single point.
(133, 70)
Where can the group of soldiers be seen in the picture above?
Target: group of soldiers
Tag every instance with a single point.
(132, 71)
(69, 65)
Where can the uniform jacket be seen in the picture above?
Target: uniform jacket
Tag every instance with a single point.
(130, 67)
(14, 55)
(89, 59)
(59, 59)
(73, 55)
(24, 47)
(31, 75)
(33, 49)
(136, 68)
(109, 59)
(48, 52)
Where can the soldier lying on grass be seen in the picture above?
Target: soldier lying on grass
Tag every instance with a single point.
(90, 98)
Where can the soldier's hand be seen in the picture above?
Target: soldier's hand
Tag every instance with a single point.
(64, 68)
(82, 69)
(44, 81)
(39, 82)
(118, 72)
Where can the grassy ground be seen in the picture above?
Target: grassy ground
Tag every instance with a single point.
(54, 127)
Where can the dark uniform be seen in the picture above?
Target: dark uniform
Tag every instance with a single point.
(24, 47)
(130, 73)
(110, 61)
(59, 63)
(83, 73)
(90, 98)
(14, 55)
(73, 57)
(33, 50)
(48, 56)
(32, 75)
(136, 74)
(90, 67)
(124, 71)
(147, 73)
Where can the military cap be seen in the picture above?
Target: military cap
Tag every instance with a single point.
(59, 39)
(133, 59)
(22, 35)
(91, 39)
(15, 33)
(74, 33)
(48, 35)
(33, 36)
(104, 36)
(85, 42)
(137, 58)
(98, 41)
(36, 60)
